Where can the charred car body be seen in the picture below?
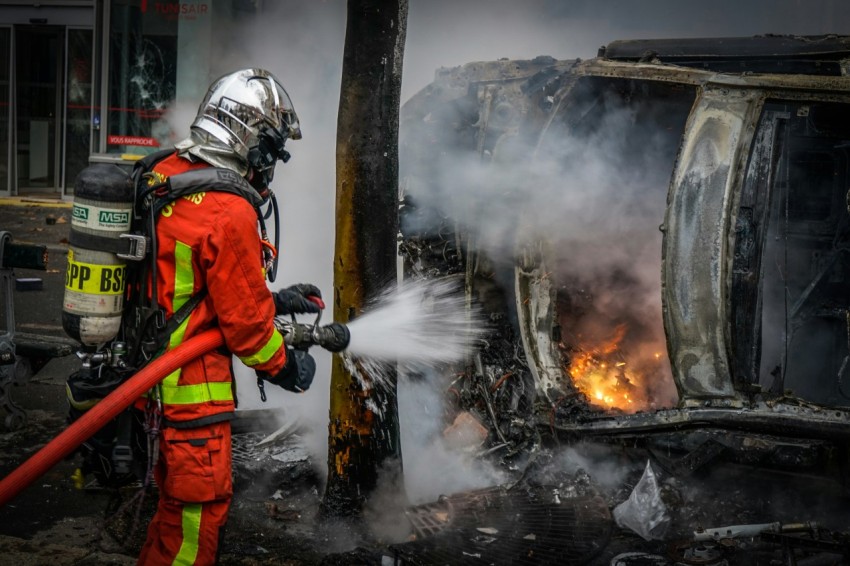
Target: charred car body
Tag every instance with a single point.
(660, 239)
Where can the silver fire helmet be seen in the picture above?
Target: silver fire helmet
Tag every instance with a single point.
(248, 115)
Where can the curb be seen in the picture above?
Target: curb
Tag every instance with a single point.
(31, 201)
(61, 249)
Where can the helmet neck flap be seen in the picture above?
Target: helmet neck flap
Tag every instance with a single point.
(202, 146)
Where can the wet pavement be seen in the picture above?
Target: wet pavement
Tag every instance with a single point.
(41, 222)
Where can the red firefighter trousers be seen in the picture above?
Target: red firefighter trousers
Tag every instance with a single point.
(195, 485)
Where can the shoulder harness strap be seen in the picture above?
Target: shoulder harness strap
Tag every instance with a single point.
(212, 179)
(180, 184)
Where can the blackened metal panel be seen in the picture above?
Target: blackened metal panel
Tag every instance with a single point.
(748, 261)
(696, 244)
(779, 46)
(810, 55)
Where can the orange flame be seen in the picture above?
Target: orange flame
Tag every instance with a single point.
(608, 379)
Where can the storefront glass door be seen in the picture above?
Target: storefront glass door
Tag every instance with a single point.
(38, 104)
(51, 108)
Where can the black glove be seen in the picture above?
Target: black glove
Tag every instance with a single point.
(298, 299)
(297, 375)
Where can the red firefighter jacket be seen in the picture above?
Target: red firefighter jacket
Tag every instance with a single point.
(209, 240)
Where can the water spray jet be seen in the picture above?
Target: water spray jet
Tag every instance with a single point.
(419, 322)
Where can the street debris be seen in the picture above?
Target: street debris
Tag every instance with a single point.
(644, 511)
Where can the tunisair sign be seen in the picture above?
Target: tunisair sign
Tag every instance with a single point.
(186, 10)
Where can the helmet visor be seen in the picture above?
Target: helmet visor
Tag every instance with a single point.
(288, 124)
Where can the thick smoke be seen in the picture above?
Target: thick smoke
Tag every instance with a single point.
(599, 200)
(432, 465)
(309, 65)
(593, 196)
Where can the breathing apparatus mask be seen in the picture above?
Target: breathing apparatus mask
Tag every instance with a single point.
(263, 157)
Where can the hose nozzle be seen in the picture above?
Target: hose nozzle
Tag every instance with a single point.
(333, 337)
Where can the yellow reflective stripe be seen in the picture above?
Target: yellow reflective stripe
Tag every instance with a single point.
(184, 283)
(191, 533)
(184, 277)
(198, 393)
(169, 384)
(172, 392)
(266, 352)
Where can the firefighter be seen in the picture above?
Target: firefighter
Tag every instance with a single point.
(208, 246)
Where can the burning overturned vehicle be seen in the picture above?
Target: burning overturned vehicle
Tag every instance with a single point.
(659, 239)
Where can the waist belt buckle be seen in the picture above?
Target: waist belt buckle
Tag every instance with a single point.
(138, 247)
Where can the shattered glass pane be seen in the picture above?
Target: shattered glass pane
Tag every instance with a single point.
(142, 73)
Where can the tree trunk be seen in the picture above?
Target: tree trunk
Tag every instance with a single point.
(362, 443)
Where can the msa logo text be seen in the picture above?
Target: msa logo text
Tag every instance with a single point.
(80, 213)
(110, 217)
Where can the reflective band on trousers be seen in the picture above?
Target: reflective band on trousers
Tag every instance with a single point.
(172, 392)
(266, 352)
(191, 532)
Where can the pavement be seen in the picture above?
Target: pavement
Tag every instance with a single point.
(44, 222)
(49, 522)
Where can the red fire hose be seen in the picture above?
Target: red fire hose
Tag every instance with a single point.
(92, 420)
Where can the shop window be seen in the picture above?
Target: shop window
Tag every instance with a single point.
(160, 52)
(78, 114)
(142, 75)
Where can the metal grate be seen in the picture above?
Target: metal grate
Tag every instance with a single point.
(244, 447)
(501, 526)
